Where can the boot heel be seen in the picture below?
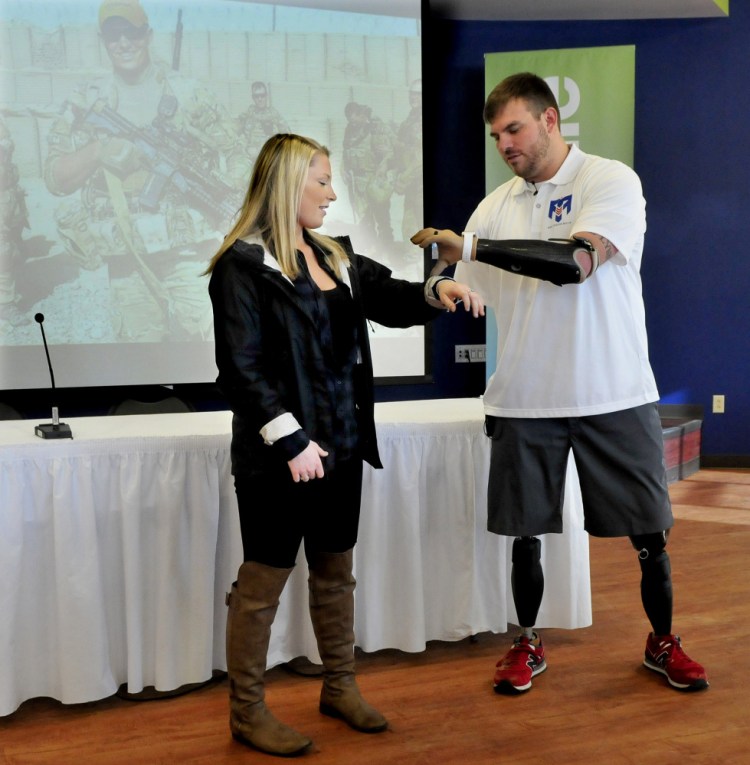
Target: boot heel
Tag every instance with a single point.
(297, 753)
(361, 716)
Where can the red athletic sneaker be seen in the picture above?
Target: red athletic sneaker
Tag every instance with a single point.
(664, 654)
(514, 671)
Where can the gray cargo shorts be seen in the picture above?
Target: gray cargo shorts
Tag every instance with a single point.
(619, 457)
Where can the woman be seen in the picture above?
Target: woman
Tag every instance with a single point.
(290, 309)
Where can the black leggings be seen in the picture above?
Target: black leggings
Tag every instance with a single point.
(276, 514)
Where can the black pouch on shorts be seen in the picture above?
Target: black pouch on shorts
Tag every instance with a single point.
(491, 426)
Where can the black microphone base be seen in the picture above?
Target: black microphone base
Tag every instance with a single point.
(48, 430)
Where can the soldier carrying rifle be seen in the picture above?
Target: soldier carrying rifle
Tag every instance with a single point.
(142, 146)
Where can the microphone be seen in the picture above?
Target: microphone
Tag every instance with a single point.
(54, 429)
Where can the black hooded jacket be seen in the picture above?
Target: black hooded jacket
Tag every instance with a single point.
(272, 366)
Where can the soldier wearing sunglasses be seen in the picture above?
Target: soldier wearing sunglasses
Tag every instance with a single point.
(122, 211)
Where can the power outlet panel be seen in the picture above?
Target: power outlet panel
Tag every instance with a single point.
(470, 354)
(717, 406)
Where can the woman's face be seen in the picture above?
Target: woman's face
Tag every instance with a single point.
(317, 194)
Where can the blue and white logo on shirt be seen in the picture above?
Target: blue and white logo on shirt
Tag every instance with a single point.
(558, 207)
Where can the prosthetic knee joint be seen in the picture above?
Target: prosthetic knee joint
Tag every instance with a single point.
(650, 546)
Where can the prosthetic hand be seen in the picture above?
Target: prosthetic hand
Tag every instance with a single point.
(447, 245)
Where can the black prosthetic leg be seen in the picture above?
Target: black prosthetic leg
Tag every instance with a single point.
(656, 580)
(527, 579)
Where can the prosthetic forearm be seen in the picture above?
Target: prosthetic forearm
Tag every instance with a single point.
(557, 261)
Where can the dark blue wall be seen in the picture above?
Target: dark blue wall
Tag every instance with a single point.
(692, 151)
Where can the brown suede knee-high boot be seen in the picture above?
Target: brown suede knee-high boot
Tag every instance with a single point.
(252, 607)
(332, 612)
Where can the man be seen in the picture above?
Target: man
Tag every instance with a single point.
(152, 205)
(253, 127)
(367, 159)
(13, 221)
(407, 161)
(558, 251)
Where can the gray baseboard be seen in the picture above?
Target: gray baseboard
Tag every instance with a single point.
(740, 461)
(688, 411)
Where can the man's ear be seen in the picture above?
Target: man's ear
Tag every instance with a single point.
(550, 117)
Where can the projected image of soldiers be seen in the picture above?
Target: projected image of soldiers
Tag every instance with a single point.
(367, 166)
(13, 221)
(408, 163)
(137, 154)
(254, 126)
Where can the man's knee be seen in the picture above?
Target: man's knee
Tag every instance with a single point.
(527, 552)
(650, 546)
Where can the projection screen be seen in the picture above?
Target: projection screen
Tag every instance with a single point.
(117, 188)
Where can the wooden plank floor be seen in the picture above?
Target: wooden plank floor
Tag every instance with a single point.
(595, 704)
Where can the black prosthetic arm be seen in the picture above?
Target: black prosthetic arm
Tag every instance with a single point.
(554, 261)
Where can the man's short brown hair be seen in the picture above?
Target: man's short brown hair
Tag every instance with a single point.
(524, 85)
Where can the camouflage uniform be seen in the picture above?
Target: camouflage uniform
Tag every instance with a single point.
(367, 159)
(253, 127)
(408, 164)
(13, 220)
(153, 240)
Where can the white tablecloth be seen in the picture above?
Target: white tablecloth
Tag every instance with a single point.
(116, 549)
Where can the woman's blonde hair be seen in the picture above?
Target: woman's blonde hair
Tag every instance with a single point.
(272, 201)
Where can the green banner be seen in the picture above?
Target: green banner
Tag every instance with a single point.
(595, 90)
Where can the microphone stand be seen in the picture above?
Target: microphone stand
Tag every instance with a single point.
(54, 429)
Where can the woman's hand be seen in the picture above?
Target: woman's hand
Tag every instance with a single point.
(307, 464)
(452, 293)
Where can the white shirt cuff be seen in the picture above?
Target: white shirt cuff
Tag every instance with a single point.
(283, 425)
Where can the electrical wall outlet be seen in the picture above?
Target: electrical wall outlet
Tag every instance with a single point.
(468, 354)
(718, 404)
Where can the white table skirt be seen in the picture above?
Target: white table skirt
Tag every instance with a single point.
(116, 549)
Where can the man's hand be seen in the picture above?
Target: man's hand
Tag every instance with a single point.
(119, 155)
(449, 246)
